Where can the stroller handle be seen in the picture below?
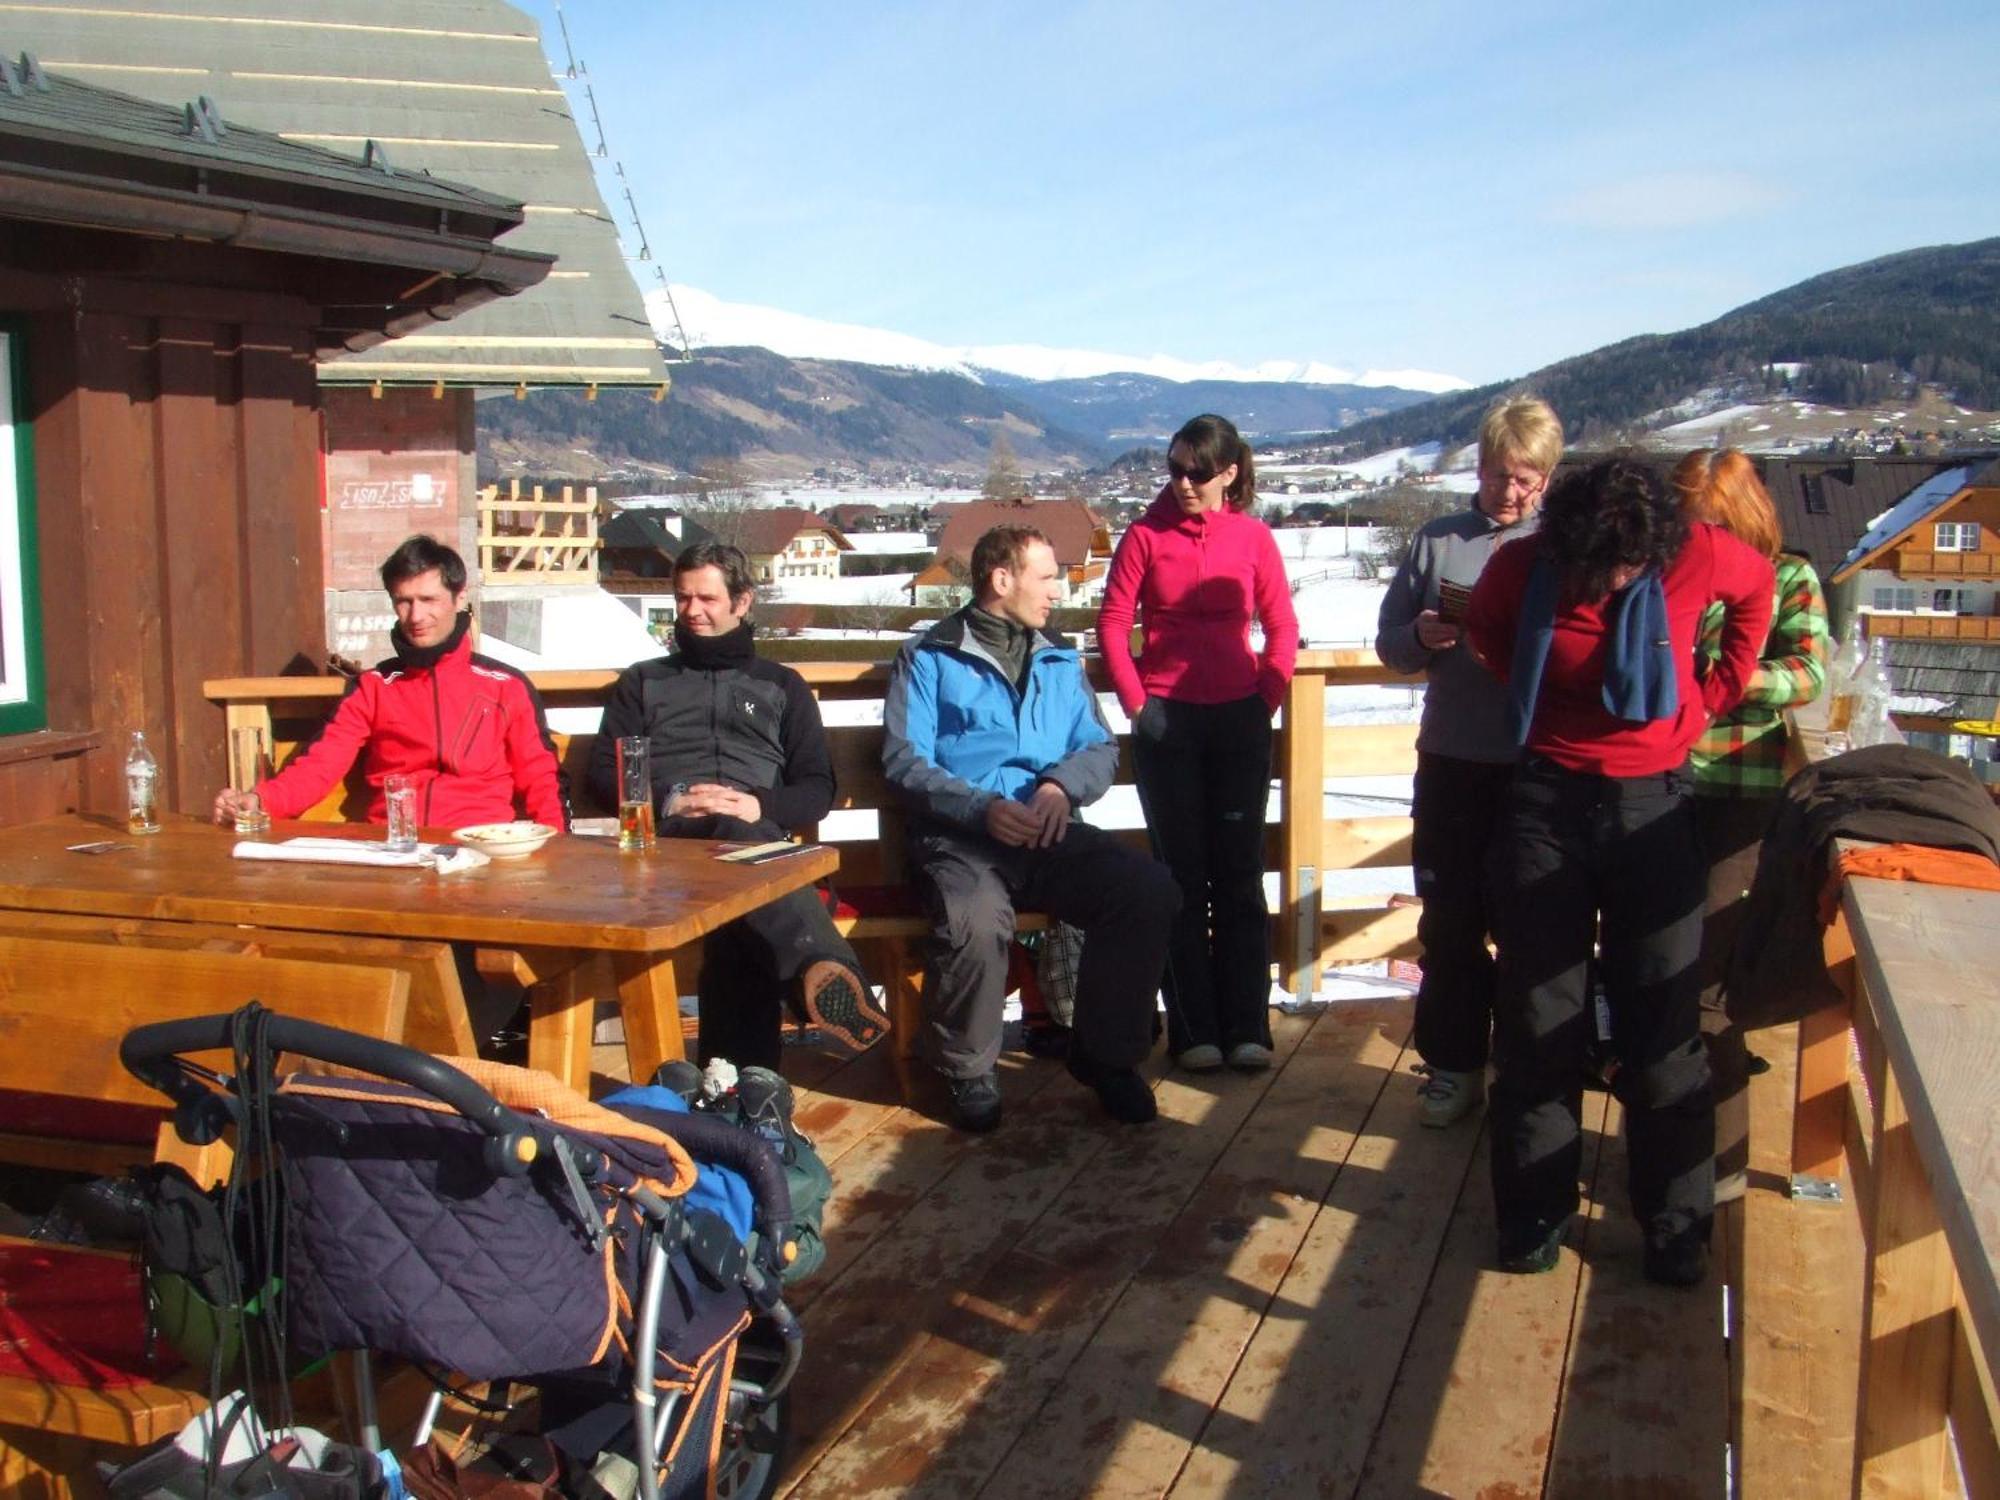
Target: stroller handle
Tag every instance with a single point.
(150, 1054)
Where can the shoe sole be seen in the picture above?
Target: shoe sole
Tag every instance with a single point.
(843, 1010)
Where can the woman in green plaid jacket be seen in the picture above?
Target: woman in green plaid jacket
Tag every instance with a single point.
(1739, 767)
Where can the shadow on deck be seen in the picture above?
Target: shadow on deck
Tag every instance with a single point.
(1285, 1287)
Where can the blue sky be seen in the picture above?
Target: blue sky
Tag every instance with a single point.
(1474, 189)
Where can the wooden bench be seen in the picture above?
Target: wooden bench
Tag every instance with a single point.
(1302, 846)
(65, 1004)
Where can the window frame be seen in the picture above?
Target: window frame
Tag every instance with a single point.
(23, 686)
(1957, 531)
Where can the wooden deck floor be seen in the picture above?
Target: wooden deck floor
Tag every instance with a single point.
(1284, 1288)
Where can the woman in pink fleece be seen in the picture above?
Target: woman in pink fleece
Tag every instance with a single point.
(1195, 570)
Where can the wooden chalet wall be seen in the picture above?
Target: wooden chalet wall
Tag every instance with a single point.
(177, 475)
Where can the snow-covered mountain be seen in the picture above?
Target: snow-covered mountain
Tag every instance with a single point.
(710, 321)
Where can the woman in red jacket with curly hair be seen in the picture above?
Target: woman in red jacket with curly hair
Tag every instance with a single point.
(1196, 571)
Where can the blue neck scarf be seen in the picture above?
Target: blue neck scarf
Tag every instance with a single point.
(1640, 684)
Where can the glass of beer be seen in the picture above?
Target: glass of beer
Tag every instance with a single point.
(635, 794)
(400, 794)
(249, 764)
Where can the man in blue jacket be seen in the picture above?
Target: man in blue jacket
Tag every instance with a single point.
(993, 738)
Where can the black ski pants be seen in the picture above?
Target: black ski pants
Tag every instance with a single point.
(1615, 860)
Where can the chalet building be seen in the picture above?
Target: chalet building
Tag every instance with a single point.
(1080, 538)
(642, 543)
(169, 282)
(1928, 567)
(784, 544)
(463, 91)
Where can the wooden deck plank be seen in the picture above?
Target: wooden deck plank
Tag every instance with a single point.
(991, 1357)
(1143, 1395)
(956, 1205)
(1475, 1400)
(1802, 1275)
(1302, 1408)
(1645, 1390)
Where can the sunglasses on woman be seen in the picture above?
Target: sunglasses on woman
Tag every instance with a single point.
(1192, 475)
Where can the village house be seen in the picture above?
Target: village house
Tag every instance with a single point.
(785, 544)
(1081, 539)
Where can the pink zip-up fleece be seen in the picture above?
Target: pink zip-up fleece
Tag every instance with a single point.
(1198, 582)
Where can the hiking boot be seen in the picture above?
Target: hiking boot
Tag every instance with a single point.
(1679, 1259)
(975, 1102)
(1533, 1250)
(1123, 1093)
(1202, 1057)
(679, 1076)
(764, 1104)
(838, 1001)
(1249, 1057)
(1448, 1096)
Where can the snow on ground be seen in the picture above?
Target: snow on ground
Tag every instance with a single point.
(888, 541)
(1708, 423)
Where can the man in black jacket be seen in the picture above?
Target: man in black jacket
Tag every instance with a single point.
(737, 751)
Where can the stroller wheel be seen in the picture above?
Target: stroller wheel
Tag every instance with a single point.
(746, 1466)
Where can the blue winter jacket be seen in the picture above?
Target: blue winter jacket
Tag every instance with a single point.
(957, 733)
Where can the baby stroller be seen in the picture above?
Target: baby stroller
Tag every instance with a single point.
(486, 1221)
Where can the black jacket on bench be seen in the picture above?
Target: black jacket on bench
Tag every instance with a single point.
(715, 711)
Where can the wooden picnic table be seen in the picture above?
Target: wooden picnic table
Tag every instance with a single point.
(574, 897)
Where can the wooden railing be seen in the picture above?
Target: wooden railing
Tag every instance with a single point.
(1896, 1098)
(536, 539)
(1304, 845)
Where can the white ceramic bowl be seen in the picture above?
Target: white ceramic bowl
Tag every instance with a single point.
(506, 840)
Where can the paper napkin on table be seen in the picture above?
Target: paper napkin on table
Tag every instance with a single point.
(446, 859)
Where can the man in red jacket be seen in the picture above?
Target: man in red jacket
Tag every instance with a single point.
(467, 729)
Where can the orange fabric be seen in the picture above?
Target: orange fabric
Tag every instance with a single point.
(1916, 862)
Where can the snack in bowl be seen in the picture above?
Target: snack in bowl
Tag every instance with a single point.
(506, 840)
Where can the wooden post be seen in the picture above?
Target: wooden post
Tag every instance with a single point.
(1303, 804)
(1819, 1108)
(1902, 1443)
(649, 1003)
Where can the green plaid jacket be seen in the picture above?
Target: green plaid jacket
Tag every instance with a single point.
(1742, 754)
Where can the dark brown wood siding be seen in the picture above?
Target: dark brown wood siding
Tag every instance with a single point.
(178, 495)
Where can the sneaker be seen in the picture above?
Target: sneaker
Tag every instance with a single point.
(1202, 1057)
(838, 1001)
(975, 1102)
(1533, 1251)
(679, 1076)
(1249, 1057)
(1448, 1096)
(1123, 1093)
(1679, 1259)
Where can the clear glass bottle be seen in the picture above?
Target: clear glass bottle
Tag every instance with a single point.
(142, 787)
(1869, 690)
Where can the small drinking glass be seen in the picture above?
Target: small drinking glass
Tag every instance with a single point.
(1836, 742)
(635, 794)
(400, 795)
(249, 766)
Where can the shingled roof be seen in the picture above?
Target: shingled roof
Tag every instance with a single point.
(77, 157)
(1070, 526)
(1827, 505)
(456, 88)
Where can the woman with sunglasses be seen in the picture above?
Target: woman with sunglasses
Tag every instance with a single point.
(1195, 571)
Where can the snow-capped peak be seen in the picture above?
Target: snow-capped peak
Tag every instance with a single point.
(709, 320)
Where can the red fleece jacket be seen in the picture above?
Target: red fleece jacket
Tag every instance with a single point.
(469, 730)
(1572, 727)
(1196, 582)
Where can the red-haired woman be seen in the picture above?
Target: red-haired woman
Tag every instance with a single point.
(1196, 570)
(1739, 765)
